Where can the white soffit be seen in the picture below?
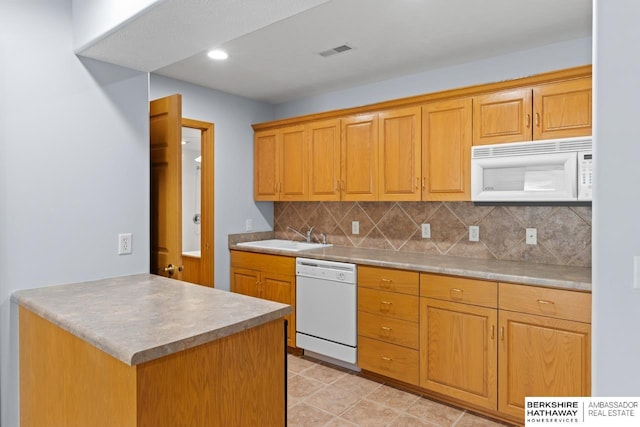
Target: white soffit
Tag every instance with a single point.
(177, 29)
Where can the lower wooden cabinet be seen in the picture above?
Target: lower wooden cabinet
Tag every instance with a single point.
(492, 344)
(544, 346)
(388, 328)
(270, 277)
(393, 361)
(458, 351)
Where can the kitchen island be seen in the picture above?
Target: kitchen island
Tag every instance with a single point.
(144, 350)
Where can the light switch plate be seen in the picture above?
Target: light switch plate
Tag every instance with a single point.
(355, 227)
(124, 244)
(532, 236)
(426, 231)
(474, 233)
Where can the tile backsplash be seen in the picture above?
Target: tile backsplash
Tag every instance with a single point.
(564, 232)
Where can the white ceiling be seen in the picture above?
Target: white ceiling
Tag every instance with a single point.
(275, 50)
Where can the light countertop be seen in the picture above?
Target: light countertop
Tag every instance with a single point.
(548, 275)
(144, 317)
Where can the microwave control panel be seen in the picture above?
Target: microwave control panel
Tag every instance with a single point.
(585, 175)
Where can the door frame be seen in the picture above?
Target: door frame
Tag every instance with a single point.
(207, 194)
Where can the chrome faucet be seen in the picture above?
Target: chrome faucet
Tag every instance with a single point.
(306, 237)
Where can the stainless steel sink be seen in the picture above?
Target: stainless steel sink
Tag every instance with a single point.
(283, 245)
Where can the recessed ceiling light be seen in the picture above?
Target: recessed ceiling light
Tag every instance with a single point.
(218, 54)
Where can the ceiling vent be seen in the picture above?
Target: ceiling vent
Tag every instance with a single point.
(339, 49)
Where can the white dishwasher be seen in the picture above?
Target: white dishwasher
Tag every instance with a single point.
(326, 309)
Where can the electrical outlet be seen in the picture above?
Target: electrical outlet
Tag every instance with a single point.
(426, 231)
(248, 225)
(124, 244)
(355, 227)
(532, 236)
(474, 233)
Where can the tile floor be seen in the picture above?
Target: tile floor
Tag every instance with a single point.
(322, 395)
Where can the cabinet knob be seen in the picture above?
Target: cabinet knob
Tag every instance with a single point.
(385, 331)
(456, 293)
(385, 283)
(385, 306)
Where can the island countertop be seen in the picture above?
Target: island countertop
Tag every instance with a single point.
(144, 317)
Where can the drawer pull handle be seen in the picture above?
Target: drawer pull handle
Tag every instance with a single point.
(545, 302)
(385, 331)
(386, 283)
(385, 306)
(456, 293)
(385, 358)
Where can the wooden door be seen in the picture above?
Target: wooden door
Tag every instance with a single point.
(281, 288)
(245, 281)
(266, 168)
(502, 117)
(446, 150)
(359, 160)
(563, 109)
(324, 160)
(293, 163)
(541, 356)
(458, 351)
(399, 159)
(165, 131)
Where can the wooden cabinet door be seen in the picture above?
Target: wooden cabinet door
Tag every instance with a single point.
(359, 158)
(502, 117)
(458, 351)
(266, 166)
(245, 281)
(399, 144)
(541, 356)
(563, 109)
(294, 158)
(281, 288)
(324, 160)
(446, 150)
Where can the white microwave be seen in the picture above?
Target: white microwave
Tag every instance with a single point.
(553, 170)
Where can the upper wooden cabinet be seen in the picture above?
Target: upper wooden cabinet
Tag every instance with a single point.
(280, 164)
(324, 160)
(417, 148)
(446, 150)
(266, 165)
(502, 117)
(553, 110)
(359, 149)
(399, 146)
(562, 110)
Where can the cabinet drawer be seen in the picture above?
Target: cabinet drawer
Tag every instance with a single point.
(561, 304)
(397, 306)
(458, 289)
(393, 331)
(405, 282)
(264, 262)
(389, 360)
